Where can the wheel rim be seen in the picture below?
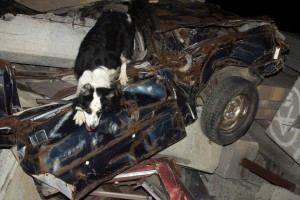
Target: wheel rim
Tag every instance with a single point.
(236, 109)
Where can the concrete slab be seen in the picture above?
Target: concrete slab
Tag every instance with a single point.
(14, 183)
(230, 189)
(284, 129)
(196, 150)
(46, 40)
(273, 152)
(272, 192)
(53, 5)
(6, 166)
(231, 156)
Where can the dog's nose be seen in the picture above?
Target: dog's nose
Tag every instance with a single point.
(93, 126)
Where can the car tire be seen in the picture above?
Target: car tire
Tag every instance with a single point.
(229, 110)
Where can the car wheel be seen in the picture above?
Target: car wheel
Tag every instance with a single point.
(229, 110)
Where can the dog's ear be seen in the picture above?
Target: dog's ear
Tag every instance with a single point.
(106, 95)
(76, 104)
(86, 90)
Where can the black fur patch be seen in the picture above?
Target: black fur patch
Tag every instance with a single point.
(111, 36)
(85, 98)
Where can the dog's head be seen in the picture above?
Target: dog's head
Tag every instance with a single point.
(93, 101)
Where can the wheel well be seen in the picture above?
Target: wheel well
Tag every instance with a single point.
(221, 75)
(229, 71)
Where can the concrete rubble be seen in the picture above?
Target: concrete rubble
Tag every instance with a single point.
(42, 40)
(272, 192)
(231, 156)
(14, 183)
(55, 5)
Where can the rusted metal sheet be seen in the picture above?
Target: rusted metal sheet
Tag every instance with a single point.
(40, 72)
(167, 172)
(174, 15)
(211, 49)
(56, 151)
(195, 40)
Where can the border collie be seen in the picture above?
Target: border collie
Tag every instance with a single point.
(102, 56)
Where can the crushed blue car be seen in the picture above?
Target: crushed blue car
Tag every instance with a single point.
(196, 55)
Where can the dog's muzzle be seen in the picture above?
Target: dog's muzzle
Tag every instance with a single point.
(91, 124)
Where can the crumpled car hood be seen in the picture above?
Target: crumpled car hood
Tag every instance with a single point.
(74, 161)
(172, 15)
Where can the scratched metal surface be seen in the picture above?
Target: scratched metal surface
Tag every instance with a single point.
(214, 39)
(148, 122)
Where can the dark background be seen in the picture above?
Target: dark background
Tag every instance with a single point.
(285, 13)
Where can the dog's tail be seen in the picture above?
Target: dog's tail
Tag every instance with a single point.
(139, 11)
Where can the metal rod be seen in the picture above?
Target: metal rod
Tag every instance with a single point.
(267, 175)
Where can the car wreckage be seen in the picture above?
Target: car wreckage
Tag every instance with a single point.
(187, 55)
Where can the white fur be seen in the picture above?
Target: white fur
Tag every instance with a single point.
(84, 79)
(100, 77)
(79, 116)
(123, 74)
(92, 119)
(129, 19)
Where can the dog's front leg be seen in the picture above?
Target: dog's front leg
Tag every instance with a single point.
(123, 74)
(79, 117)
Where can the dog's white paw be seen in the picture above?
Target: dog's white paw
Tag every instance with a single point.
(79, 118)
(123, 80)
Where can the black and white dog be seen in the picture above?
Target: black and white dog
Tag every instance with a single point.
(102, 56)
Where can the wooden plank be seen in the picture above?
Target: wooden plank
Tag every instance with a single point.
(293, 58)
(267, 175)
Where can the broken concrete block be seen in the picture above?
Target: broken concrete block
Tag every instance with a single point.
(195, 150)
(285, 129)
(53, 5)
(272, 150)
(271, 192)
(6, 166)
(231, 156)
(42, 40)
(14, 183)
